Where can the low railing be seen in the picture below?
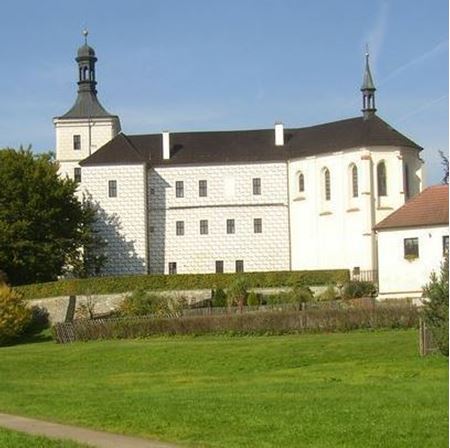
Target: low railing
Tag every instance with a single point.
(365, 276)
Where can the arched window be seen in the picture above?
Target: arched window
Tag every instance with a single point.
(354, 177)
(301, 183)
(327, 184)
(85, 73)
(406, 181)
(381, 179)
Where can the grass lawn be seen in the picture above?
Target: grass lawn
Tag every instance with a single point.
(12, 439)
(359, 389)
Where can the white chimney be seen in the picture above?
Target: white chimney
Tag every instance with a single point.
(166, 145)
(279, 134)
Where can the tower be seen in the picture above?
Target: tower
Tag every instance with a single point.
(368, 91)
(87, 125)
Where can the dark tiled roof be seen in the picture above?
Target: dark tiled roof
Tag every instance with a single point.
(251, 146)
(429, 208)
(87, 105)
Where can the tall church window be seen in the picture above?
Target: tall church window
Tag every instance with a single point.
(327, 184)
(381, 179)
(301, 183)
(406, 181)
(354, 175)
(77, 142)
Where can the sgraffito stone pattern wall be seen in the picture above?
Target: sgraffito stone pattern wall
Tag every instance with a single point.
(230, 195)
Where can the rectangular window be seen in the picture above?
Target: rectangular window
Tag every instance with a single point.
(172, 268)
(256, 186)
(179, 189)
(219, 266)
(257, 225)
(77, 142)
(180, 228)
(445, 245)
(202, 188)
(411, 247)
(230, 226)
(239, 265)
(112, 188)
(77, 175)
(203, 227)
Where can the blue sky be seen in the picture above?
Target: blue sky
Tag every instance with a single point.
(235, 64)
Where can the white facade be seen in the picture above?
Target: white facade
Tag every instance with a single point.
(229, 196)
(93, 134)
(402, 276)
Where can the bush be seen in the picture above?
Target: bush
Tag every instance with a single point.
(329, 294)
(255, 323)
(435, 310)
(14, 315)
(302, 294)
(39, 321)
(142, 303)
(253, 299)
(110, 285)
(237, 292)
(355, 289)
(219, 298)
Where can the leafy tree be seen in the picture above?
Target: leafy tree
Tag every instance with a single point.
(42, 223)
(237, 292)
(435, 310)
(444, 163)
(14, 315)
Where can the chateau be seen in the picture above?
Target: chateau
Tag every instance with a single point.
(227, 201)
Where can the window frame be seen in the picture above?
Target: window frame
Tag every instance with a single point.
(381, 179)
(204, 227)
(239, 266)
(179, 228)
(354, 180)
(76, 142)
(256, 183)
(257, 225)
(172, 268)
(77, 174)
(203, 188)
(444, 245)
(219, 267)
(231, 227)
(112, 188)
(326, 184)
(301, 182)
(179, 189)
(411, 248)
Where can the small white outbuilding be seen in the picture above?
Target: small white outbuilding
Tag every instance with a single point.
(412, 243)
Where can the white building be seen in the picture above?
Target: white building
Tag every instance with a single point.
(258, 200)
(412, 242)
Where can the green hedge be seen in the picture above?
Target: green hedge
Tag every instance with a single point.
(111, 285)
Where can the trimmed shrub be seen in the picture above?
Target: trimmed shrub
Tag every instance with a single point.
(14, 315)
(143, 303)
(255, 323)
(237, 292)
(253, 299)
(355, 289)
(110, 285)
(435, 310)
(219, 298)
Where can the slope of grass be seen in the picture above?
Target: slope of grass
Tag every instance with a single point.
(12, 439)
(356, 389)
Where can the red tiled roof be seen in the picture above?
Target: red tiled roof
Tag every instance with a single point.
(428, 208)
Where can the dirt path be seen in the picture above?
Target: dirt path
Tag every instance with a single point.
(98, 439)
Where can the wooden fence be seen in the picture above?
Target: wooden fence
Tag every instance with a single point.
(426, 343)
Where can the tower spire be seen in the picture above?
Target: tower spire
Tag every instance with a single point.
(368, 90)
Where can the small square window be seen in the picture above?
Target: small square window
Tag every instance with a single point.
(77, 175)
(239, 265)
(411, 248)
(77, 142)
(202, 188)
(180, 228)
(152, 229)
(257, 225)
(203, 227)
(152, 191)
(219, 266)
(230, 226)
(256, 186)
(445, 245)
(112, 188)
(172, 268)
(179, 189)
